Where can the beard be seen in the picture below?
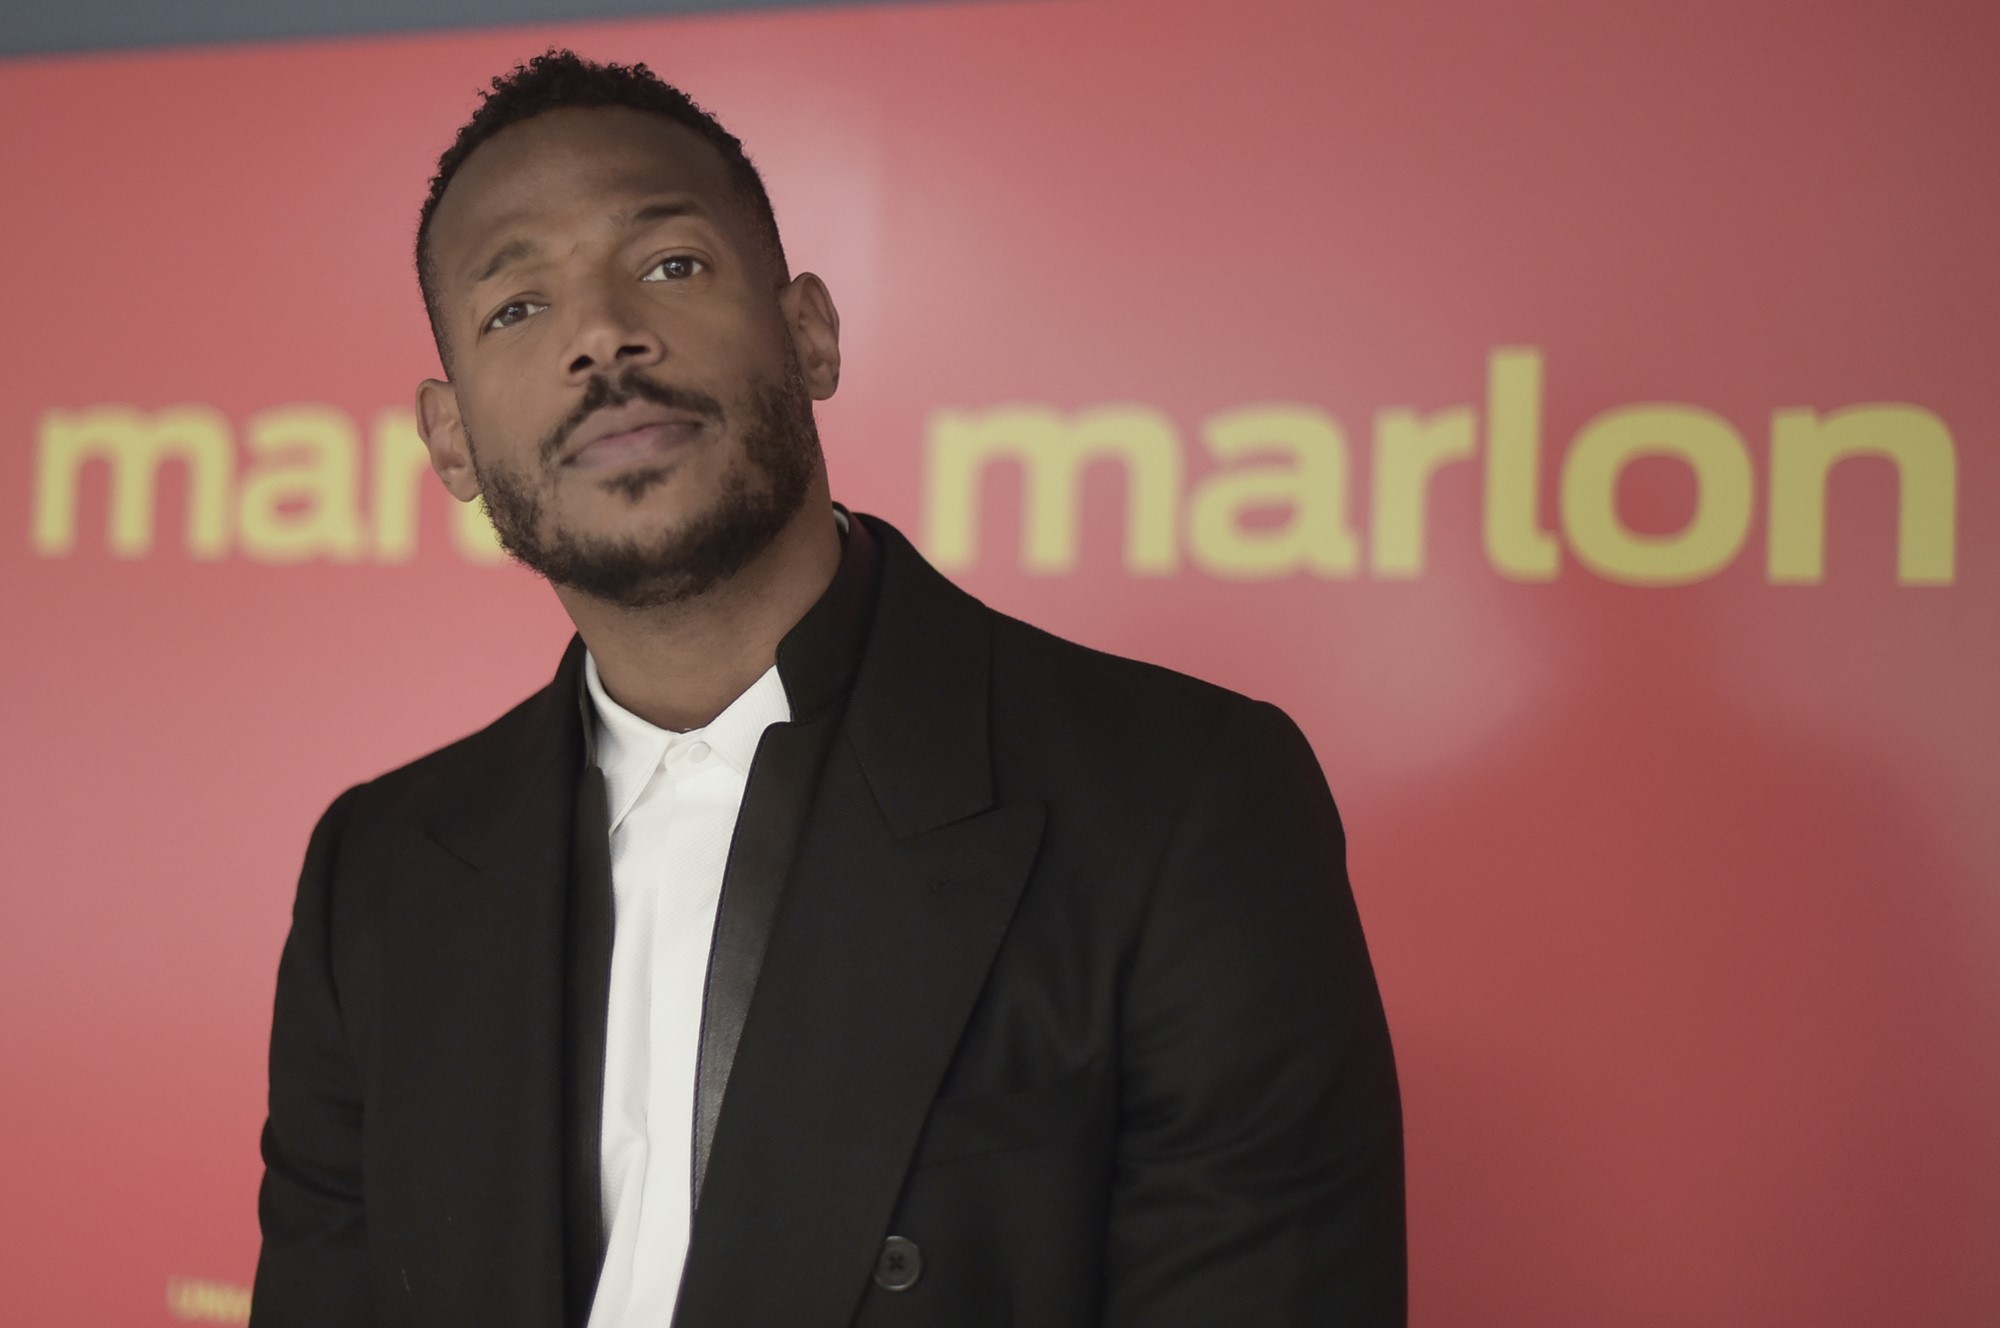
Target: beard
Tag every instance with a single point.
(761, 491)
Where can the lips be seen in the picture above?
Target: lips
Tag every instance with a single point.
(636, 432)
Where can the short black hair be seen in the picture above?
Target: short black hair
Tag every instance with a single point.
(560, 78)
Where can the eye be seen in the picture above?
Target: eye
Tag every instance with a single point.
(513, 312)
(674, 267)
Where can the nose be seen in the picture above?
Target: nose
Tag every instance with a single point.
(611, 333)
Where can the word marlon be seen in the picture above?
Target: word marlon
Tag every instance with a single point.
(301, 494)
(1293, 461)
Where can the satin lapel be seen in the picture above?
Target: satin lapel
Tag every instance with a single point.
(905, 881)
(474, 1044)
(878, 952)
(780, 793)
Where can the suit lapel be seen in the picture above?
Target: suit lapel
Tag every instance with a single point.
(589, 916)
(475, 980)
(905, 881)
(880, 948)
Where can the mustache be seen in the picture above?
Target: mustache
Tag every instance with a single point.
(630, 385)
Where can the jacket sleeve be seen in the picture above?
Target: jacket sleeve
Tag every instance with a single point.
(313, 1267)
(1259, 1173)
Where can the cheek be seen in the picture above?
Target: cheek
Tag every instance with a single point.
(730, 344)
(503, 422)
(757, 368)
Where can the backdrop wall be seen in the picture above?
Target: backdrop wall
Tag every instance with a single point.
(1579, 417)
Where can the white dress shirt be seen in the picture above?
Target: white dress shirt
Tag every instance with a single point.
(674, 800)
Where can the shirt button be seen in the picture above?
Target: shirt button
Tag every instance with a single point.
(899, 1265)
(697, 752)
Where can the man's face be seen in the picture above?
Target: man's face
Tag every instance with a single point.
(627, 385)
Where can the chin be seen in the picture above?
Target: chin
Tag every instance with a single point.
(654, 517)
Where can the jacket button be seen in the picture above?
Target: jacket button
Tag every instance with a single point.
(899, 1265)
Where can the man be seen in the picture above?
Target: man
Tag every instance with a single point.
(820, 947)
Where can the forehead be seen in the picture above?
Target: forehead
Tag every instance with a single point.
(567, 167)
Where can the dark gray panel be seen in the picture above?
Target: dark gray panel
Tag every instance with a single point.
(40, 27)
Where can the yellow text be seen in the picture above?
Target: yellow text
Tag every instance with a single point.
(294, 484)
(1297, 461)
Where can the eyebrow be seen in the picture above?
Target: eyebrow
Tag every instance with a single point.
(664, 210)
(514, 251)
(505, 257)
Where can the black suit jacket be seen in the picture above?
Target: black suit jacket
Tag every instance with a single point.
(1057, 977)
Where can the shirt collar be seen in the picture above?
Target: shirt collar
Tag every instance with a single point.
(817, 662)
(630, 750)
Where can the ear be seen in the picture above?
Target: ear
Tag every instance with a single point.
(814, 327)
(444, 436)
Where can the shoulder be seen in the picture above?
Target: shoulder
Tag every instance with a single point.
(1103, 712)
(1111, 688)
(1131, 727)
(474, 752)
(451, 781)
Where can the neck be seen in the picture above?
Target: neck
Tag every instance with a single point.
(679, 666)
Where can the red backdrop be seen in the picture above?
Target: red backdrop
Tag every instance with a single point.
(1467, 378)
